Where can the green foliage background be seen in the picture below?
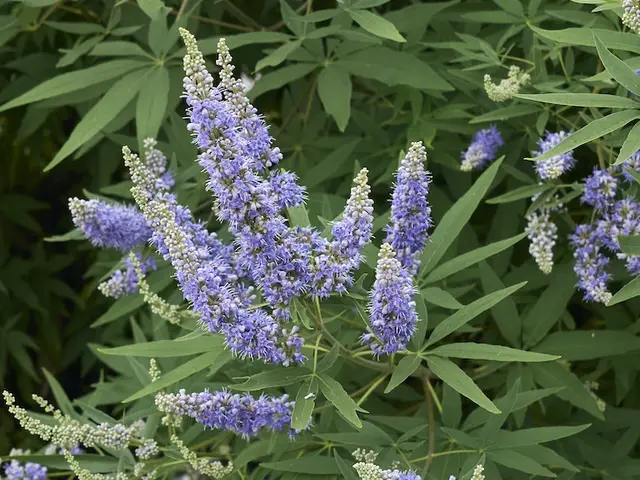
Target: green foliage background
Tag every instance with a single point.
(344, 85)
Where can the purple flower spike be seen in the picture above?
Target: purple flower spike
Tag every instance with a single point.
(392, 311)
(110, 225)
(125, 282)
(29, 471)
(553, 167)
(240, 414)
(482, 150)
(590, 266)
(599, 189)
(408, 227)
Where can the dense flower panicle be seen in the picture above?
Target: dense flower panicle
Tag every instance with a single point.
(125, 281)
(553, 167)
(542, 234)
(355, 228)
(392, 311)
(599, 189)
(334, 262)
(205, 281)
(508, 87)
(590, 266)
(478, 473)
(29, 471)
(482, 150)
(110, 225)
(204, 466)
(241, 414)
(408, 228)
(286, 191)
(632, 164)
(367, 469)
(631, 14)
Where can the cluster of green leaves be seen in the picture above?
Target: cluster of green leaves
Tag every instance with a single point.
(498, 367)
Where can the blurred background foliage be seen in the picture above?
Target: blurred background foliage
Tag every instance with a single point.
(342, 87)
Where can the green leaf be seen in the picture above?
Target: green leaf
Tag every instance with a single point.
(550, 306)
(279, 78)
(619, 70)
(118, 48)
(596, 129)
(74, 234)
(151, 7)
(423, 321)
(63, 402)
(630, 146)
(405, 367)
(526, 191)
(74, 81)
(448, 229)
(629, 244)
(583, 99)
(312, 465)
(393, 68)
(101, 114)
(334, 89)
(152, 104)
(305, 403)
(334, 392)
(584, 36)
(441, 298)
(274, 378)
(347, 472)
(330, 165)
(471, 258)
(88, 461)
(329, 359)
(369, 435)
(518, 461)
(506, 113)
(469, 312)
(453, 375)
(587, 345)
(174, 376)
(168, 348)
(278, 56)
(376, 24)
(553, 374)
(630, 290)
(498, 353)
(494, 423)
(534, 436)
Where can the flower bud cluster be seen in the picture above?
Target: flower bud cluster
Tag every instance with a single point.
(508, 87)
(368, 470)
(631, 14)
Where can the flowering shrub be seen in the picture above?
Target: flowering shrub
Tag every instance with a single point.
(395, 327)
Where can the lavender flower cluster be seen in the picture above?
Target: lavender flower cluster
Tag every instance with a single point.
(14, 470)
(482, 150)
(270, 260)
(241, 414)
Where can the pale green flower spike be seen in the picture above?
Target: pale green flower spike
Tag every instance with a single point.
(154, 370)
(508, 87)
(202, 465)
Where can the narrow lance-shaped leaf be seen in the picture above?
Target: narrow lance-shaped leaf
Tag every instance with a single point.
(630, 146)
(305, 403)
(600, 100)
(405, 367)
(466, 314)
(498, 353)
(456, 218)
(74, 81)
(152, 104)
(596, 129)
(619, 70)
(335, 393)
(376, 24)
(471, 258)
(334, 89)
(105, 110)
(453, 375)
